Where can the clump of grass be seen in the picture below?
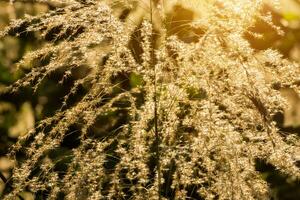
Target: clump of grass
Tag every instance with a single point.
(199, 115)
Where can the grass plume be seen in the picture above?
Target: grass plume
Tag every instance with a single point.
(199, 115)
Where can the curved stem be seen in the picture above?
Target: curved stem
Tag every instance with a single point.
(3, 177)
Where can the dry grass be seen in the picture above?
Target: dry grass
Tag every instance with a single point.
(199, 116)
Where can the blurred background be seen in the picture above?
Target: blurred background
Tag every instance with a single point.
(19, 112)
